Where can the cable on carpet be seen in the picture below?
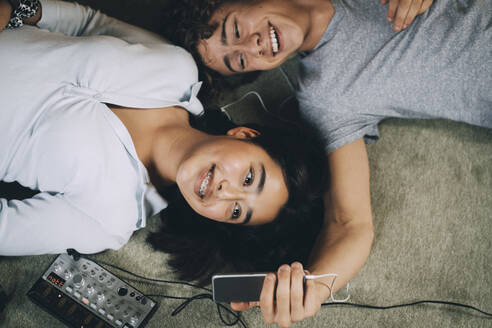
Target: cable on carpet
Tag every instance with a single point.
(237, 315)
(375, 307)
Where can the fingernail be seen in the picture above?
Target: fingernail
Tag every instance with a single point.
(284, 268)
(271, 277)
(397, 28)
(389, 19)
(405, 26)
(296, 265)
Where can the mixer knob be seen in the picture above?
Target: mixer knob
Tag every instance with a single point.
(100, 297)
(122, 291)
(67, 274)
(57, 267)
(111, 282)
(102, 276)
(90, 289)
(78, 281)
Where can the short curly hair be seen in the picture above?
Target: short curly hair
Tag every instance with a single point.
(187, 22)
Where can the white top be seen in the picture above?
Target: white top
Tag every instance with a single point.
(58, 136)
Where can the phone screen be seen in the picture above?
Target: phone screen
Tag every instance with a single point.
(237, 287)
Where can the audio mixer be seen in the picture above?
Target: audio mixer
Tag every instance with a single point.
(83, 294)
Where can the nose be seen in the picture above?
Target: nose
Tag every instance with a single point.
(253, 45)
(226, 191)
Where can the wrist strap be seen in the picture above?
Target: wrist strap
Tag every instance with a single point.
(26, 9)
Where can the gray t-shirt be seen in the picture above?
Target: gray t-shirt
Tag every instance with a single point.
(362, 72)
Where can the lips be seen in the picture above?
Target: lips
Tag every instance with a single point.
(204, 182)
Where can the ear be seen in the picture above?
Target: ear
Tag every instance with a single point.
(243, 132)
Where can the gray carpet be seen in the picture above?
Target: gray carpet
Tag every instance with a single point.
(432, 203)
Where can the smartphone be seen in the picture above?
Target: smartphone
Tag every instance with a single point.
(237, 287)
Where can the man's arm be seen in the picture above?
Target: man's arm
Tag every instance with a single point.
(345, 241)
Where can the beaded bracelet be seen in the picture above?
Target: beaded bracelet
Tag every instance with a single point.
(26, 9)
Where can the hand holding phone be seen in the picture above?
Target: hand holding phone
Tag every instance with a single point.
(247, 287)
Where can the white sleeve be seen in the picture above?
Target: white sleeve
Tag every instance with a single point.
(49, 224)
(72, 19)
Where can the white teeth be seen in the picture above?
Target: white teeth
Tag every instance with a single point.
(204, 184)
(273, 37)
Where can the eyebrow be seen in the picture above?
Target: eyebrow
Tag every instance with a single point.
(259, 189)
(261, 184)
(223, 40)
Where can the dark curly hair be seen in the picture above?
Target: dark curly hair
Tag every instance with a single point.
(186, 23)
(200, 247)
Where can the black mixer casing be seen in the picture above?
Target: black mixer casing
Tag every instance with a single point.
(82, 294)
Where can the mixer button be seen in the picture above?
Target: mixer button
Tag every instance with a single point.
(134, 319)
(100, 297)
(76, 294)
(102, 311)
(67, 274)
(68, 289)
(90, 289)
(85, 301)
(110, 317)
(118, 322)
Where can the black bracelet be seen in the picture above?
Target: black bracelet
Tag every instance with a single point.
(26, 9)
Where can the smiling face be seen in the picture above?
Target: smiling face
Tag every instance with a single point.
(233, 181)
(253, 35)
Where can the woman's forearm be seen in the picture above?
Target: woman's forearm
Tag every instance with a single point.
(73, 19)
(342, 249)
(5, 12)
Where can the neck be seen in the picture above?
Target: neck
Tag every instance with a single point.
(320, 13)
(144, 124)
(171, 147)
(162, 137)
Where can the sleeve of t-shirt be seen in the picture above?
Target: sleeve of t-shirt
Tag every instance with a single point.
(338, 129)
(72, 19)
(49, 224)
